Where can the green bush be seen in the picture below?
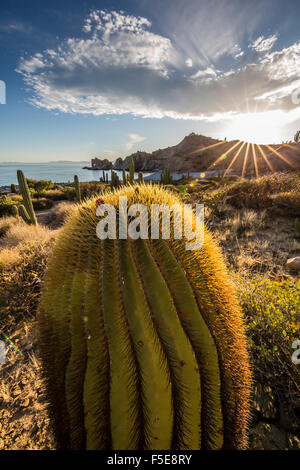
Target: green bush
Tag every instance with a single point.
(42, 203)
(272, 314)
(6, 206)
(39, 186)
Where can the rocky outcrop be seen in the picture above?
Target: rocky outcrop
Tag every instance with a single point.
(198, 153)
(104, 164)
(181, 157)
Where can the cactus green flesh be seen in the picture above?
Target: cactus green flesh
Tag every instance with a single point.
(297, 227)
(201, 340)
(23, 213)
(124, 177)
(14, 211)
(155, 384)
(97, 377)
(182, 363)
(131, 171)
(77, 188)
(123, 373)
(141, 177)
(142, 341)
(28, 213)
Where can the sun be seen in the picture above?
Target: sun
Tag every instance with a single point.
(257, 128)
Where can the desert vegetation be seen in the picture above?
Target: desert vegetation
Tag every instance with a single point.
(254, 222)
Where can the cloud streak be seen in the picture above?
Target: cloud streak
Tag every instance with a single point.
(121, 66)
(133, 139)
(263, 44)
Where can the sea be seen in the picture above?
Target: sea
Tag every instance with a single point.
(58, 172)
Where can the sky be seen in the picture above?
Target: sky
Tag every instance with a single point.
(108, 78)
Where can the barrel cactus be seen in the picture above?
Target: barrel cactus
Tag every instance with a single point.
(142, 342)
(26, 210)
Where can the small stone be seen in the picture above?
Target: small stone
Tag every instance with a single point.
(294, 263)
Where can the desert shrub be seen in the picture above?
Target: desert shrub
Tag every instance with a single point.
(6, 206)
(19, 232)
(39, 186)
(6, 223)
(21, 270)
(92, 188)
(17, 198)
(70, 193)
(272, 314)
(56, 195)
(171, 187)
(286, 203)
(23, 253)
(273, 192)
(243, 220)
(42, 203)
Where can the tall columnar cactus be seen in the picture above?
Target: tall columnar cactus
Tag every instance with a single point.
(166, 177)
(297, 227)
(115, 181)
(140, 177)
(131, 171)
(142, 341)
(77, 188)
(14, 211)
(26, 211)
(124, 177)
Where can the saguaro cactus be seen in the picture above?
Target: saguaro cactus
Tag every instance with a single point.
(124, 177)
(131, 171)
(26, 211)
(77, 188)
(297, 227)
(140, 177)
(142, 341)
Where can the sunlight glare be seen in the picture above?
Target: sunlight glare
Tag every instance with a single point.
(257, 128)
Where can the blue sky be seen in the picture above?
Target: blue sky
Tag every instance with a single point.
(98, 78)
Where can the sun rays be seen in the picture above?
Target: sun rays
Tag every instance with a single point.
(242, 161)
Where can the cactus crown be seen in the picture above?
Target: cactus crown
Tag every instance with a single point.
(142, 342)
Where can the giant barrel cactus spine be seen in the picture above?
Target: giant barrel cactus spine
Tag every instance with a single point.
(142, 341)
(26, 211)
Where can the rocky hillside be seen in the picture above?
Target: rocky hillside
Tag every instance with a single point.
(198, 153)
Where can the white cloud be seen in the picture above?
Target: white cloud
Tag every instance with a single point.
(208, 72)
(263, 44)
(133, 139)
(121, 66)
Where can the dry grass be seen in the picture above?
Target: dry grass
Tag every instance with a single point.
(20, 232)
(24, 420)
(279, 194)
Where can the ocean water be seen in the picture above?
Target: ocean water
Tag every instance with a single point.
(57, 172)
